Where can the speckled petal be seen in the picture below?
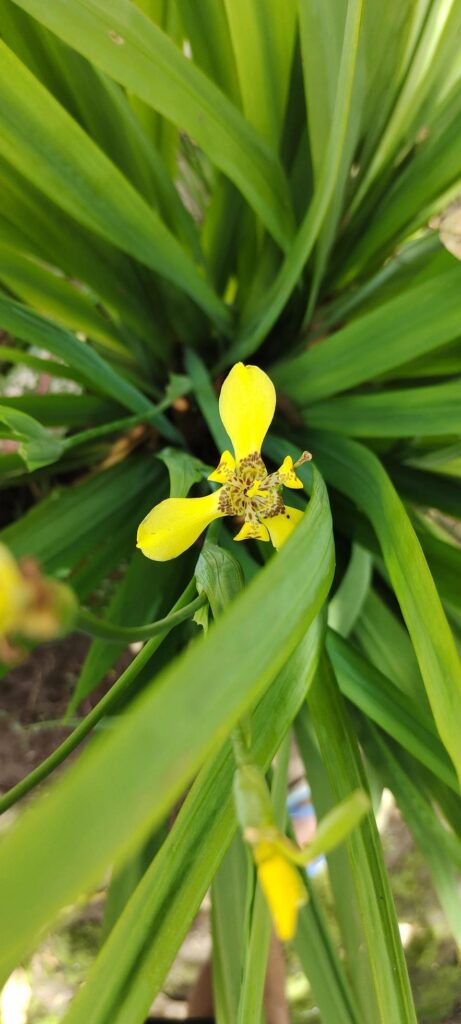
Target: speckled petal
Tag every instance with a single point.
(281, 526)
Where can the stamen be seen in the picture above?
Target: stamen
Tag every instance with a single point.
(305, 457)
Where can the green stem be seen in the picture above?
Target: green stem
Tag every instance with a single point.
(89, 623)
(125, 423)
(255, 968)
(241, 742)
(105, 705)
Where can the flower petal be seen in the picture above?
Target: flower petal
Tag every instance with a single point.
(173, 525)
(247, 406)
(284, 892)
(286, 474)
(225, 468)
(14, 592)
(252, 531)
(282, 525)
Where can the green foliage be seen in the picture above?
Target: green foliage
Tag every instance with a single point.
(185, 184)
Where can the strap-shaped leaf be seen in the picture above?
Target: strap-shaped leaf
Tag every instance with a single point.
(47, 146)
(128, 779)
(341, 756)
(359, 474)
(419, 320)
(136, 53)
(424, 411)
(29, 326)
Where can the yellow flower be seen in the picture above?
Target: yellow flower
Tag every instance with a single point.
(31, 606)
(273, 853)
(14, 591)
(282, 886)
(246, 406)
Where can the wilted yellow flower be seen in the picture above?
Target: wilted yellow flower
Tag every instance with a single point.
(31, 606)
(14, 591)
(272, 851)
(282, 886)
(246, 406)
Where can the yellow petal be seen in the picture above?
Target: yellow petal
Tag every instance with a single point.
(287, 475)
(173, 525)
(247, 406)
(14, 592)
(225, 468)
(281, 526)
(284, 892)
(252, 531)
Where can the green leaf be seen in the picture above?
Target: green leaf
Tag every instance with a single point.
(63, 410)
(347, 910)
(261, 939)
(346, 605)
(381, 701)
(230, 894)
(334, 828)
(56, 533)
(55, 296)
(440, 848)
(359, 474)
(136, 53)
(35, 329)
(38, 447)
(184, 470)
(206, 398)
(45, 144)
(219, 575)
(426, 411)
(384, 640)
(181, 718)
(260, 321)
(263, 36)
(158, 916)
(419, 320)
(341, 756)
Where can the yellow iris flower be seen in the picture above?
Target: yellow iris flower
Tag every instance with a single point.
(246, 406)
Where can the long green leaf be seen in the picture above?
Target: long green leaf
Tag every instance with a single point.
(55, 296)
(56, 533)
(262, 319)
(360, 475)
(161, 910)
(45, 144)
(163, 739)
(263, 35)
(340, 753)
(346, 906)
(400, 716)
(420, 320)
(427, 411)
(136, 53)
(441, 850)
(35, 329)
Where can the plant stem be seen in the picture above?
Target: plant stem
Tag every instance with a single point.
(89, 623)
(125, 423)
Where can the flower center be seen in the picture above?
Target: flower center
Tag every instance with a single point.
(250, 492)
